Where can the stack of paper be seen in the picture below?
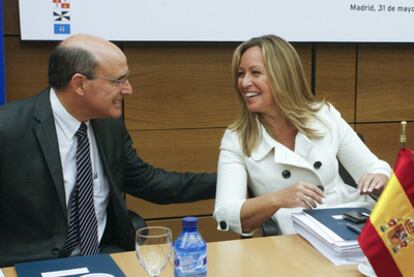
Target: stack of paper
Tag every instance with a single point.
(326, 230)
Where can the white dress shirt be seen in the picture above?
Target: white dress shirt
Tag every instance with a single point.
(312, 161)
(66, 128)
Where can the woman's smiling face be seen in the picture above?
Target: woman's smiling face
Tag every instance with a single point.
(253, 83)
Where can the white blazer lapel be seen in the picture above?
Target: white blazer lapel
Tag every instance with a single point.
(284, 155)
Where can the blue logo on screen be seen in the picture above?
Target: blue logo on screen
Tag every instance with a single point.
(62, 28)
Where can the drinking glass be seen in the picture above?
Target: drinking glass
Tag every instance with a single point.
(153, 246)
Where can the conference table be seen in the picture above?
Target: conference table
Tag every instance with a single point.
(265, 256)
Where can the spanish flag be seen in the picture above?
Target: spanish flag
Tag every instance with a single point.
(387, 239)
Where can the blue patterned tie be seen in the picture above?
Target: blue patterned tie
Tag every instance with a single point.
(83, 227)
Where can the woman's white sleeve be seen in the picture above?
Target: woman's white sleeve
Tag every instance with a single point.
(231, 184)
(355, 156)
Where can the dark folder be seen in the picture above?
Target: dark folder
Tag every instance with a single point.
(94, 264)
(325, 216)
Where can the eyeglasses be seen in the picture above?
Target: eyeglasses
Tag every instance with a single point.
(115, 81)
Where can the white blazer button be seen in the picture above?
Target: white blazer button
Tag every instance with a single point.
(286, 173)
(317, 164)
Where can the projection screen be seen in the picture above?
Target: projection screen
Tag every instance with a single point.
(220, 20)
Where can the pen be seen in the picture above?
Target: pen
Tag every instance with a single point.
(356, 229)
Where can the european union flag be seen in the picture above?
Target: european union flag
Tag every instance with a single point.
(2, 69)
(62, 28)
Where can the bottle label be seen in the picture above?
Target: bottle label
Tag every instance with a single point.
(190, 263)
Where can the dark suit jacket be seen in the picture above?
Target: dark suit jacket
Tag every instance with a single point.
(33, 214)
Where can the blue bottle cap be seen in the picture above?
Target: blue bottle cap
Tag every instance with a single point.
(189, 222)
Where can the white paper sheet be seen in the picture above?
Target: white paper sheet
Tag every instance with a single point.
(68, 272)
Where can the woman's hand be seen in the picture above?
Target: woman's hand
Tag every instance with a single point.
(256, 210)
(301, 194)
(372, 183)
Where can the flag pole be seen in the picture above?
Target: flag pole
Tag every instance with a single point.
(2, 67)
(403, 137)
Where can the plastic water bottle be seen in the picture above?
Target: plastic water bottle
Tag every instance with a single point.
(190, 251)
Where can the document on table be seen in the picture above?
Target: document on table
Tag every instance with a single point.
(329, 253)
(70, 266)
(1, 273)
(338, 250)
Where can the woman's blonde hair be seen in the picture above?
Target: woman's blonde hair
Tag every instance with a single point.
(288, 85)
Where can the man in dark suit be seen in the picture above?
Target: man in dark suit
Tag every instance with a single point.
(88, 78)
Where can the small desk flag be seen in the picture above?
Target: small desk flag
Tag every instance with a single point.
(387, 239)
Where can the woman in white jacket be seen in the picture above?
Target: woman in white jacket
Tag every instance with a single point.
(285, 144)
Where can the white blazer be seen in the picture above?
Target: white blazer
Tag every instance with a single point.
(272, 167)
